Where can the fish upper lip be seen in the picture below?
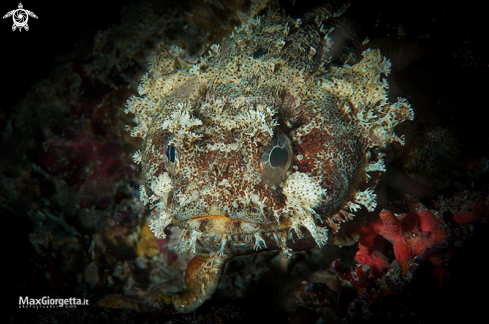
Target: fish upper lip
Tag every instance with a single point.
(218, 224)
(182, 215)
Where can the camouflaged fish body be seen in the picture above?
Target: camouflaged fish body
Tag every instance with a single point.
(262, 142)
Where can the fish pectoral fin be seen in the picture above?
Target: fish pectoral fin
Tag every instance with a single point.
(202, 280)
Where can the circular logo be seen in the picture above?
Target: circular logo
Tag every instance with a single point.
(20, 18)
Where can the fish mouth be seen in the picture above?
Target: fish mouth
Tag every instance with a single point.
(219, 233)
(218, 224)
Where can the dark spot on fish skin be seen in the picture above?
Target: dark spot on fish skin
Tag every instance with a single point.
(203, 225)
(236, 226)
(259, 52)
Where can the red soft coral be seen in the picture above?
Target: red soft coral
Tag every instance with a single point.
(410, 235)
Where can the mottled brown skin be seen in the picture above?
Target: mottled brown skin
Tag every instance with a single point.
(212, 168)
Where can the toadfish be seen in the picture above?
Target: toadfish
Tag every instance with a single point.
(266, 143)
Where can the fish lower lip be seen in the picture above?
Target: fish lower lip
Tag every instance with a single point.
(218, 224)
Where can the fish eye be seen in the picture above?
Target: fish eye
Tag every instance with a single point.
(278, 157)
(170, 153)
(172, 159)
(277, 160)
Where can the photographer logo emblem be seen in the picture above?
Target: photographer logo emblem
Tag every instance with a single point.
(20, 17)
